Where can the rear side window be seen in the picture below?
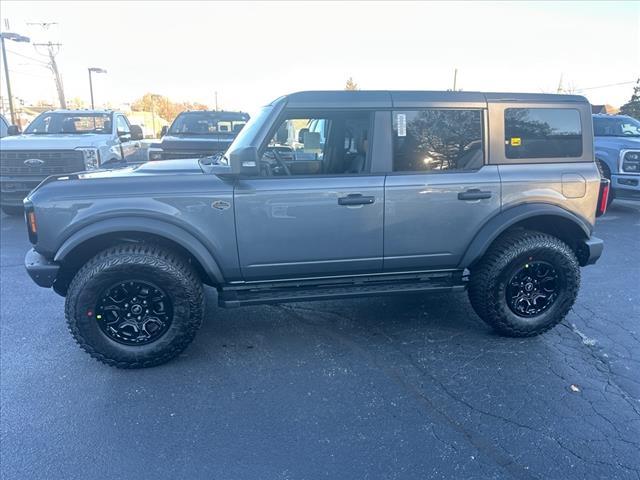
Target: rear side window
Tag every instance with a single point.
(542, 133)
(437, 140)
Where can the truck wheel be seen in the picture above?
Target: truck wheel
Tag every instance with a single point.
(134, 306)
(13, 211)
(525, 284)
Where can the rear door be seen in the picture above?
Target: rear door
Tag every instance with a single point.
(440, 191)
(315, 210)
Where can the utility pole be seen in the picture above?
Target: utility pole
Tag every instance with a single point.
(560, 89)
(455, 79)
(216, 95)
(52, 51)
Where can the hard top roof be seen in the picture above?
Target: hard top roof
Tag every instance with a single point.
(405, 98)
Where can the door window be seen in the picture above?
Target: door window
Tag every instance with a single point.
(334, 144)
(542, 133)
(437, 140)
(122, 126)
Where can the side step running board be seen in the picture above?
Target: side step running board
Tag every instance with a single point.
(256, 294)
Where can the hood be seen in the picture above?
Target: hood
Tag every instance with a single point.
(160, 167)
(207, 143)
(53, 142)
(619, 143)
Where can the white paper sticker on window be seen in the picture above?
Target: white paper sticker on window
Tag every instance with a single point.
(402, 125)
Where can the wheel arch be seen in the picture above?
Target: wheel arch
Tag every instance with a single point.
(545, 218)
(90, 240)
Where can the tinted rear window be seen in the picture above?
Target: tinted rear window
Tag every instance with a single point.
(542, 133)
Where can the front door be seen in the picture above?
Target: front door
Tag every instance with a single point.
(314, 210)
(440, 192)
(129, 148)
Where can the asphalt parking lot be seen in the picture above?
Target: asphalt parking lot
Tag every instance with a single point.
(398, 387)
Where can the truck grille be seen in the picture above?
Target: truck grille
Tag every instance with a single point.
(12, 162)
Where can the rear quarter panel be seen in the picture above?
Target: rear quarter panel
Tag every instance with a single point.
(572, 186)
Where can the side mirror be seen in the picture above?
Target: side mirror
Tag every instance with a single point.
(301, 134)
(164, 130)
(13, 130)
(136, 132)
(282, 135)
(245, 161)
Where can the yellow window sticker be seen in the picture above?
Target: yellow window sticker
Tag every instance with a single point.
(516, 141)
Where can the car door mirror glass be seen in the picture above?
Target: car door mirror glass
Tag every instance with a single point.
(136, 132)
(13, 130)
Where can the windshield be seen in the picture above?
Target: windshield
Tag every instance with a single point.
(248, 133)
(52, 123)
(206, 123)
(616, 127)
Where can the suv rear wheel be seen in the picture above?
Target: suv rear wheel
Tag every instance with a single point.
(525, 284)
(134, 306)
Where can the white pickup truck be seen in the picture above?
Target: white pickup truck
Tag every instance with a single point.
(64, 141)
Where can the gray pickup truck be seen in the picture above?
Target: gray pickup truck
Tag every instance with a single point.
(329, 195)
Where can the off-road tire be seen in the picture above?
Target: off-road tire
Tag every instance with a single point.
(148, 263)
(14, 211)
(489, 278)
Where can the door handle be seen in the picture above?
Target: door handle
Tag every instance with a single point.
(474, 194)
(356, 199)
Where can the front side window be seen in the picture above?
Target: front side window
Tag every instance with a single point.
(52, 123)
(334, 144)
(437, 140)
(122, 126)
(616, 126)
(542, 133)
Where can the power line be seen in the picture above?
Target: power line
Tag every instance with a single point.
(27, 57)
(605, 86)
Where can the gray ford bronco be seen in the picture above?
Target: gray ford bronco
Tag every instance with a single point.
(328, 195)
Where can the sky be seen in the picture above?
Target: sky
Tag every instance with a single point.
(251, 53)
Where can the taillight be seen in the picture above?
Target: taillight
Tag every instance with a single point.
(603, 197)
(32, 224)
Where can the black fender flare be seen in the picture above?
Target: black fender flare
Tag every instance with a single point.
(509, 217)
(145, 225)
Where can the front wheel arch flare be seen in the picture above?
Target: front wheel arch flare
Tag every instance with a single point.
(157, 228)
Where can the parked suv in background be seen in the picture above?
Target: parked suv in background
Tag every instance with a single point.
(617, 150)
(327, 195)
(196, 134)
(64, 141)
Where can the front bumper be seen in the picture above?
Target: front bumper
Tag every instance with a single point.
(41, 270)
(625, 186)
(589, 251)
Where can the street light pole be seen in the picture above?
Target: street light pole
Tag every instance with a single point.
(93, 70)
(91, 88)
(16, 38)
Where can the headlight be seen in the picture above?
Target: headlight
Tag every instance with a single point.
(155, 154)
(630, 162)
(91, 158)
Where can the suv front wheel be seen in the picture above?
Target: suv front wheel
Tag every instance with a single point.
(134, 306)
(525, 284)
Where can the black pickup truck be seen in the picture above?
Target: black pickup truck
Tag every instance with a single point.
(195, 134)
